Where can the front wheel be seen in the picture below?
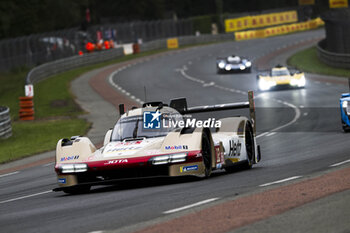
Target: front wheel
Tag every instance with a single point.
(346, 128)
(206, 153)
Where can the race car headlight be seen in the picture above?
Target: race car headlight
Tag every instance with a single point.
(266, 85)
(294, 82)
(346, 107)
(345, 104)
(176, 158)
(160, 160)
(165, 159)
(241, 67)
(298, 82)
(248, 64)
(228, 67)
(73, 168)
(221, 65)
(302, 81)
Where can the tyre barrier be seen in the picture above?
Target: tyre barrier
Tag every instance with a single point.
(5, 123)
(26, 111)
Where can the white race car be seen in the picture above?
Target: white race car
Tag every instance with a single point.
(159, 140)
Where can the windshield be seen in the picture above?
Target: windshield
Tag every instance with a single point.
(132, 127)
(280, 72)
(234, 60)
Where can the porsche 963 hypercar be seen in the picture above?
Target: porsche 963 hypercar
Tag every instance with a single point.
(159, 140)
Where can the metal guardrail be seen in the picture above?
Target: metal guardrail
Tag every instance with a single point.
(51, 68)
(5, 122)
(40, 48)
(338, 60)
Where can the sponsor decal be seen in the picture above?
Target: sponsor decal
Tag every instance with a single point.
(189, 168)
(62, 180)
(191, 123)
(151, 120)
(69, 158)
(235, 160)
(235, 148)
(117, 161)
(183, 147)
(152, 152)
(123, 149)
(217, 154)
(128, 143)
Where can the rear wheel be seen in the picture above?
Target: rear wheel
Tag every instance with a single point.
(206, 153)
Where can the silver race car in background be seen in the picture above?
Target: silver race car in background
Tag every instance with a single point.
(233, 64)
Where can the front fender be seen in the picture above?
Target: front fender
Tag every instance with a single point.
(77, 150)
(182, 141)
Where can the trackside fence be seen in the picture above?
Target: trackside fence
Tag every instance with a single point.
(46, 70)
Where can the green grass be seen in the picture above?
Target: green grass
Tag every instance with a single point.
(38, 136)
(307, 60)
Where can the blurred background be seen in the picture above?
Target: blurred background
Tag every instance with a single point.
(34, 32)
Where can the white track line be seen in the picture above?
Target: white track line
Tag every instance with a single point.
(341, 163)
(9, 174)
(190, 206)
(23, 197)
(48, 164)
(280, 181)
(111, 81)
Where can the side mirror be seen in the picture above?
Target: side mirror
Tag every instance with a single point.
(107, 137)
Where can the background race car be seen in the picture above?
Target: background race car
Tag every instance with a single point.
(160, 140)
(345, 111)
(280, 77)
(232, 64)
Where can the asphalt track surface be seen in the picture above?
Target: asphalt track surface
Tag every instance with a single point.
(298, 130)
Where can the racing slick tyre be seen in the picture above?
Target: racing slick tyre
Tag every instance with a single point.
(249, 145)
(206, 154)
(77, 189)
(346, 128)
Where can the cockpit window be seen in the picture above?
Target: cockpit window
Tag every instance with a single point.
(132, 127)
(234, 59)
(283, 72)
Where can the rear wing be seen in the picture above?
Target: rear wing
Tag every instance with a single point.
(181, 106)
